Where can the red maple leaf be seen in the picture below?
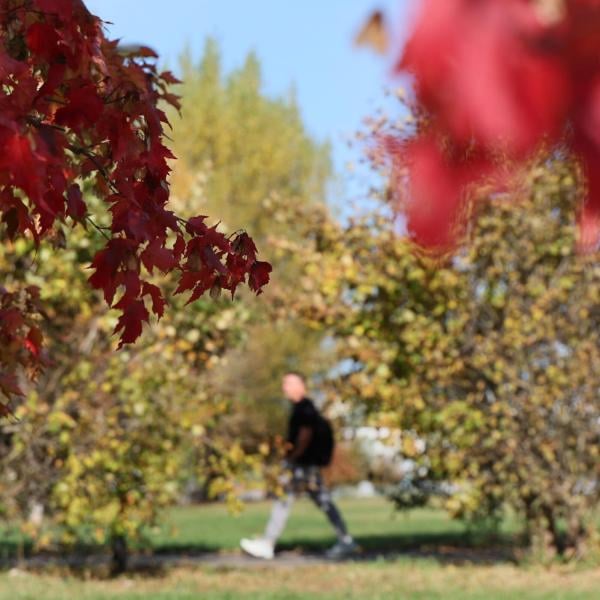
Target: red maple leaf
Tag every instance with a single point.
(158, 301)
(83, 108)
(21, 165)
(482, 70)
(45, 41)
(131, 322)
(34, 340)
(9, 386)
(76, 207)
(259, 275)
(107, 263)
(156, 255)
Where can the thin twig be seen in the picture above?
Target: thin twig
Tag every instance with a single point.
(100, 229)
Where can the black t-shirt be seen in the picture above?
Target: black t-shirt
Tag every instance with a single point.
(305, 414)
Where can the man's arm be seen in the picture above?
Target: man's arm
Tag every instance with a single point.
(302, 442)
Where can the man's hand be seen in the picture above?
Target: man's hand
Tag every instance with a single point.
(302, 442)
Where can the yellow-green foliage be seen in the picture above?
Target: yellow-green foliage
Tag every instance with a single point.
(251, 160)
(251, 151)
(491, 358)
(107, 439)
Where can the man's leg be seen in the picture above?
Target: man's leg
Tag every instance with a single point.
(280, 512)
(265, 547)
(321, 496)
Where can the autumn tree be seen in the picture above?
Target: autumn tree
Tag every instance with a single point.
(251, 159)
(517, 396)
(105, 441)
(78, 111)
(489, 359)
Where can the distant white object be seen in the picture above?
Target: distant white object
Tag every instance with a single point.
(254, 495)
(365, 489)
(36, 514)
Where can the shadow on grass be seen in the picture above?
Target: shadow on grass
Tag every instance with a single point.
(446, 547)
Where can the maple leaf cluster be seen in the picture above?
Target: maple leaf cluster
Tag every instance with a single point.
(497, 78)
(76, 109)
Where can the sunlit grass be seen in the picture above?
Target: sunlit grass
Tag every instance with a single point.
(374, 522)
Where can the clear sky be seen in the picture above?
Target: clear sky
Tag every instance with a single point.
(305, 43)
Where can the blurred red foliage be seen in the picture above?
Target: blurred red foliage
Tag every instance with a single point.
(498, 77)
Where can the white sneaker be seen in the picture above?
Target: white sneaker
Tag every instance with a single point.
(259, 548)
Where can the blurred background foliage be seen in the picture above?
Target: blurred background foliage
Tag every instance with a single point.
(485, 362)
(482, 369)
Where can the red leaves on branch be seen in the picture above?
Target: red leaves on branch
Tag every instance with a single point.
(131, 321)
(498, 77)
(260, 273)
(83, 108)
(74, 108)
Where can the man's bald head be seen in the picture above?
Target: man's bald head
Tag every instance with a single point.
(293, 387)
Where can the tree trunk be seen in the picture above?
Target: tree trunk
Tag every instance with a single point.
(542, 534)
(119, 555)
(556, 538)
(579, 536)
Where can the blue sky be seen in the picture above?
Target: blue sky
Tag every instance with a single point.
(307, 43)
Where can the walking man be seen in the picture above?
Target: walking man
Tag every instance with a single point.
(311, 443)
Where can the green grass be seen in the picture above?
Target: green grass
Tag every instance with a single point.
(432, 572)
(373, 522)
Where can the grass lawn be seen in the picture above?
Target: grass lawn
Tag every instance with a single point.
(373, 522)
(425, 574)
